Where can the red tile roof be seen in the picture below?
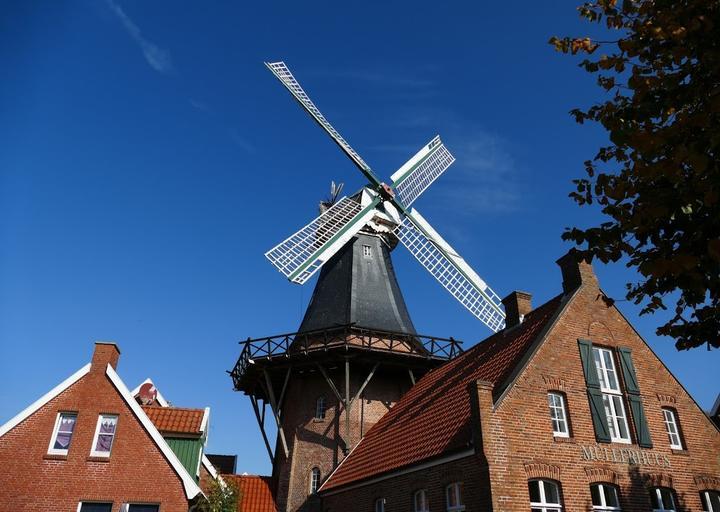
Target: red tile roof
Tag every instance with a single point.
(419, 426)
(175, 420)
(255, 493)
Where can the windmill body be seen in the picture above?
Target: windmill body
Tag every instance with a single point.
(356, 351)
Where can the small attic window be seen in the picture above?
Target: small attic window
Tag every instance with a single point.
(367, 251)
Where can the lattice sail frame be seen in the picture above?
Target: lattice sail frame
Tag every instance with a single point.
(302, 254)
(418, 173)
(281, 71)
(450, 270)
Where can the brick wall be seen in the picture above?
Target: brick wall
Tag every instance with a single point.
(320, 444)
(518, 439)
(398, 491)
(136, 471)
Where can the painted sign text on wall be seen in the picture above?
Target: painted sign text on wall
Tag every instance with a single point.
(624, 456)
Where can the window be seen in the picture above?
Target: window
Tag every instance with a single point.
(95, 507)
(320, 408)
(380, 505)
(104, 435)
(454, 496)
(314, 480)
(420, 502)
(544, 496)
(612, 396)
(710, 501)
(671, 425)
(62, 433)
(662, 499)
(556, 401)
(604, 497)
(367, 251)
(134, 507)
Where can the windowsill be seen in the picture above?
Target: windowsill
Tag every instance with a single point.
(563, 439)
(680, 451)
(620, 441)
(54, 456)
(318, 420)
(96, 458)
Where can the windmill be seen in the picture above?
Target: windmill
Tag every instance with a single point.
(386, 207)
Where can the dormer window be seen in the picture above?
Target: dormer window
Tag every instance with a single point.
(320, 408)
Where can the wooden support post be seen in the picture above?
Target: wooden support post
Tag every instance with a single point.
(261, 423)
(273, 405)
(412, 376)
(347, 403)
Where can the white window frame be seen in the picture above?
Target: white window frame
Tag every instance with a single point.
(603, 503)
(95, 453)
(367, 251)
(612, 395)
(658, 495)
(672, 428)
(423, 506)
(320, 403)
(558, 413)
(125, 507)
(455, 490)
(56, 431)
(81, 503)
(380, 505)
(707, 504)
(314, 480)
(543, 505)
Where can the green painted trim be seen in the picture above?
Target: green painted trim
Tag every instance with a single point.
(335, 237)
(407, 173)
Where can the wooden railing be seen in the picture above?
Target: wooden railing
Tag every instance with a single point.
(347, 336)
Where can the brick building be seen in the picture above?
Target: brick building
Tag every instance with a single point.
(88, 445)
(567, 408)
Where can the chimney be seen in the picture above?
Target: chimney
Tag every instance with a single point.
(517, 305)
(105, 352)
(575, 271)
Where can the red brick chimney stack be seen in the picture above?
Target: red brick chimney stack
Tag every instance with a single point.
(575, 272)
(517, 305)
(106, 352)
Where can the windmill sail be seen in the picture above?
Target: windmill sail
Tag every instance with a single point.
(450, 270)
(418, 173)
(301, 255)
(281, 71)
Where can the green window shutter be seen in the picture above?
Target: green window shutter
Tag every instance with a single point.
(597, 407)
(633, 393)
(588, 363)
(640, 422)
(599, 418)
(628, 371)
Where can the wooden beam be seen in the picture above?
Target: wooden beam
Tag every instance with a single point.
(330, 382)
(412, 376)
(273, 406)
(261, 422)
(367, 380)
(284, 388)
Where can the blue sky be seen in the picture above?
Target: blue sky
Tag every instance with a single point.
(149, 160)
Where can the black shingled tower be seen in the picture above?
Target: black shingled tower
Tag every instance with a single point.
(356, 349)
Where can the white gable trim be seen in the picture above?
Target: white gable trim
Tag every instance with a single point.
(210, 468)
(160, 399)
(37, 404)
(191, 488)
